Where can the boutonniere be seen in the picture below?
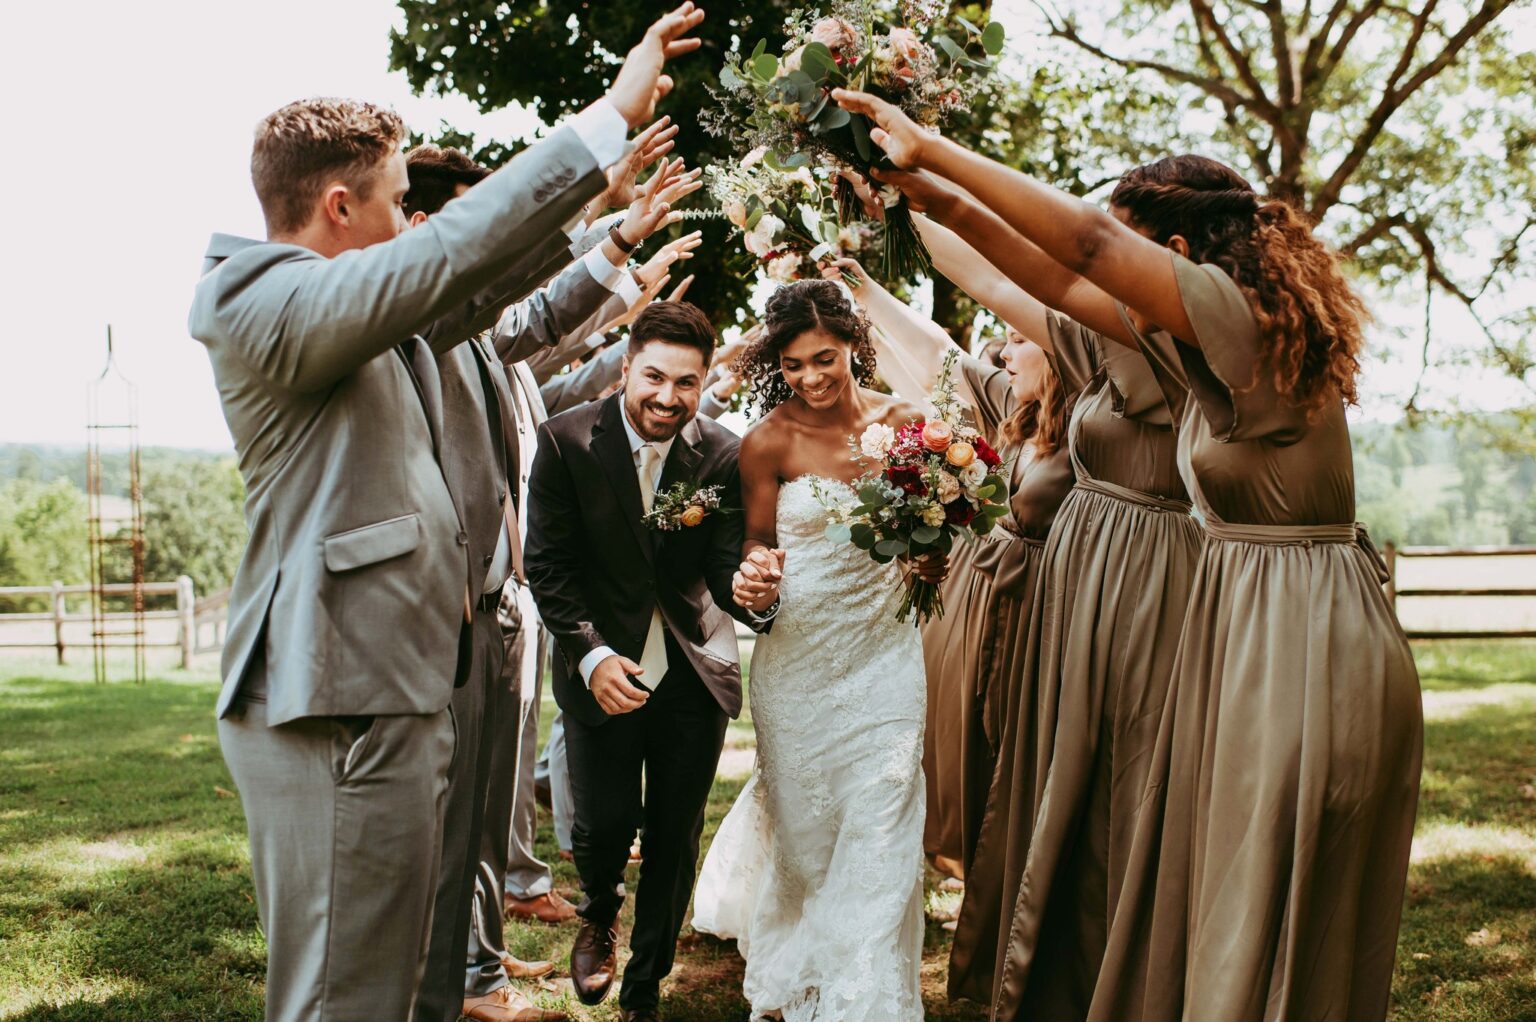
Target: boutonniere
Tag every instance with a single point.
(682, 506)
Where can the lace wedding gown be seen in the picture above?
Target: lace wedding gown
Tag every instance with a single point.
(817, 870)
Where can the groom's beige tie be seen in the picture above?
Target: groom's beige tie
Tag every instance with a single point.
(654, 658)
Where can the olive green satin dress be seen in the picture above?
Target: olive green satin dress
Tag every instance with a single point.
(1267, 877)
(1104, 629)
(972, 652)
(1001, 685)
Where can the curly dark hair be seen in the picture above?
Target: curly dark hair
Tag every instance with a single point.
(1310, 319)
(794, 310)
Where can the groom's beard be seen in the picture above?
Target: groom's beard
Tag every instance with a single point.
(652, 420)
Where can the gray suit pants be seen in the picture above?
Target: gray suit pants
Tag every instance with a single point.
(476, 705)
(345, 819)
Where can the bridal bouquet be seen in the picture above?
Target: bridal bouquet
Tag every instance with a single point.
(785, 217)
(932, 479)
(782, 103)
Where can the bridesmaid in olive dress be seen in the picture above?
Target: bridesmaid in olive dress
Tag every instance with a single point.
(1102, 635)
(1267, 872)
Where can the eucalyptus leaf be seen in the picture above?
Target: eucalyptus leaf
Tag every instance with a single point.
(773, 161)
(759, 49)
(817, 60)
(970, 26)
(924, 534)
(872, 495)
(993, 37)
(891, 547)
(986, 492)
(766, 65)
(860, 128)
(837, 532)
(811, 219)
(753, 217)
(832, 118)
(729, 78)
(863, 537)
(794, 161)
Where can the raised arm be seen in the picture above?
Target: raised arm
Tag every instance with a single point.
(1081, 237)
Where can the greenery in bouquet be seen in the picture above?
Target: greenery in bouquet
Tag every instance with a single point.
(925, 63)
(934, 480)
(786, 217)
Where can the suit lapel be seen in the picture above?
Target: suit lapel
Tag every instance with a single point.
(610, 446)
(423, 374)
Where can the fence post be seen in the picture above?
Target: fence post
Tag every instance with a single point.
(186, 610)
(1389, 554)
(57, 605)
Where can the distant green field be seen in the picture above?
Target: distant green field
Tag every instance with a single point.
(125, 888)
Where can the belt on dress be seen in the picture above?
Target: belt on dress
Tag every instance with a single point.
(1149, 501)
(1302, 535)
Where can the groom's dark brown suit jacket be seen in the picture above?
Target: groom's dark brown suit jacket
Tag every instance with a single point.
(596, 570)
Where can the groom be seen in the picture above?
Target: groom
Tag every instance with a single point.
(649, 671)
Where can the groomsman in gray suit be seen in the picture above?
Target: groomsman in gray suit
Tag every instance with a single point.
(348, 609)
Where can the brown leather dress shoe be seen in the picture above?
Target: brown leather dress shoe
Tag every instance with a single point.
(546, 908)
(594, 961)
(516, 968)
(508, 1005)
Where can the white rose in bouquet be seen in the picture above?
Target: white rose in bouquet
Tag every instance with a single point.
(759, 240)
(973, 475)
(783, 268)
(753, 158)
(877, 440)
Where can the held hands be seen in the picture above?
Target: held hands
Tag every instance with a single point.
(904, 142)
(756, 583)
(640, 82)
(611, 686)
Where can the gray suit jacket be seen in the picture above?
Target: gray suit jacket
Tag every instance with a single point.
(354, 577)
(586, 382)
(573, 304)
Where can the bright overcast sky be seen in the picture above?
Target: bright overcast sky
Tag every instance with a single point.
(128, 130)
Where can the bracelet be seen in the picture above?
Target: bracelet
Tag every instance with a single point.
(617, 237)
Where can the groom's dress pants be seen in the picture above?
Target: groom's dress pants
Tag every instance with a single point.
(674, 742)
(345, 819)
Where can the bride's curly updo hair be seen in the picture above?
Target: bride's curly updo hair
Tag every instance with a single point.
(793, 310)
(1310, 319)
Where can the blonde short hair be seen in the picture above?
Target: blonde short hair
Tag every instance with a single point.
(305, 145)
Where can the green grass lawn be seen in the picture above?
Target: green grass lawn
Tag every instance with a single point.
(125, 890)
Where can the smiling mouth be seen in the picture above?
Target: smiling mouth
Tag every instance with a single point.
(664, 413)
(813, 394)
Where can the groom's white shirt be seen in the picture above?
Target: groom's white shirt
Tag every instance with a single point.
(636, 441)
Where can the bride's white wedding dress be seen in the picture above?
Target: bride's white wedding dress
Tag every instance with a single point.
(817, 871)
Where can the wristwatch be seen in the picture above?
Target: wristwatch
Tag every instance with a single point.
(617, 237)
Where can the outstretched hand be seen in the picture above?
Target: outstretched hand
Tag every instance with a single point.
(640, 83)
(649, 146)
(652, 211)
(904, 142)
(842, 269)
(925, 192)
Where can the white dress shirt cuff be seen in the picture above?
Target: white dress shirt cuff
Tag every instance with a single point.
(591, 660)
(603, 130)
(604, 272)
(596, 341)
(627, 288)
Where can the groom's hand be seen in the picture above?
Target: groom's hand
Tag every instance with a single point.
(756, 583)
(640, 82)
(611, 686)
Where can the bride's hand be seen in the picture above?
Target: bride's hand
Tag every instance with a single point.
(932, 567)
(904, 141)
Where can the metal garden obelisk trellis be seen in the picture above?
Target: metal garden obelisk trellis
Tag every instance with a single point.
(116, 526)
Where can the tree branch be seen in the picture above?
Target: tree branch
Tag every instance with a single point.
(1213, 87)
(1239, 59)
(1257, 153)
(1380, 228)
(1280, 44)
(1393, 96)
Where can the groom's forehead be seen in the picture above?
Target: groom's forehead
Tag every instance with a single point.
(669, 359)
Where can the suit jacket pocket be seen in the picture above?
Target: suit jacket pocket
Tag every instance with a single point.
(371, 544)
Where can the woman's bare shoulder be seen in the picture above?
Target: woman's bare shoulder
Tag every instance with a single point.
(766, 436)
(894, 411)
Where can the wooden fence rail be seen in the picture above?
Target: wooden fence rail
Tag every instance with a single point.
(58, 613)
(1393, 554)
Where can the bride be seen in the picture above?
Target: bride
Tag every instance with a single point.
(818, 869)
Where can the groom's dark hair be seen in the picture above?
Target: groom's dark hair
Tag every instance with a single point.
(674, 323)
(435, 175)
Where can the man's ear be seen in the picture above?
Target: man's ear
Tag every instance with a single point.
(624, 375)
(417, 219)
(334, 203)
(1179, 244)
